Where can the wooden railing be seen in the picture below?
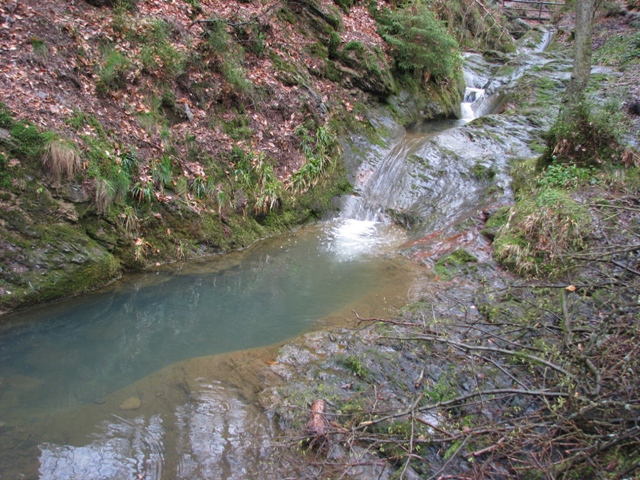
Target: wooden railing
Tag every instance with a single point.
(531, 9)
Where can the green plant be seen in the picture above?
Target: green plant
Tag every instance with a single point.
(129, 220)
(256, 177)
(199, 187)
(230, 55)
(26, 141)
(444, 389)
(419, 43)
(318, 151)
(143, 190)
(112, 71)
(268, 187)
(104, 194)
(565, 175)
(593, 139)
(158, 55)
(5, 174)
(345, 5)
(6, 116)
(238, 127)
(482, 172)
(354, 363)
(448, 264)
(252, 35)
(161, 172)
(196, 8)
(39, 46)
(475, 26)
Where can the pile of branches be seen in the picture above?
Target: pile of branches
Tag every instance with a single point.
(546, 385)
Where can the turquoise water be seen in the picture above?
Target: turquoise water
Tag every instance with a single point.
(66, 367)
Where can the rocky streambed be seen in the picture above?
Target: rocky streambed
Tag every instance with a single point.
(388, 382)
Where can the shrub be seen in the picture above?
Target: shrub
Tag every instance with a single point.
(540, 231)
(420, 44)
(593, 139)
(476, 26)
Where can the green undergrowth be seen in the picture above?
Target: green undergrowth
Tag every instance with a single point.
(619, 51)
(593, 139)
(551, 222)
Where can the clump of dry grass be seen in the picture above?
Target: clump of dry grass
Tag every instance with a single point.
(103, 195)
(60, 160)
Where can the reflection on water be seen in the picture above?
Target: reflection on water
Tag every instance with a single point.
(215, 435)
(124, 449)
(66, 369)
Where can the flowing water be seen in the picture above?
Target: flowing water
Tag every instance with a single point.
(160, 340)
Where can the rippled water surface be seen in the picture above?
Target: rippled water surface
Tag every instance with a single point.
(165, 339)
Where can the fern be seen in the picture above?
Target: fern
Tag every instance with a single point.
(420, 44)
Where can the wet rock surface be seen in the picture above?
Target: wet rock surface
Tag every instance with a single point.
(380, 368)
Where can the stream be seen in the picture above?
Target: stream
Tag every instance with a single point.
(156, 376)
(68, 369)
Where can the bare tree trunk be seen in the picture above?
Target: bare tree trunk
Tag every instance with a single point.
(573, 100)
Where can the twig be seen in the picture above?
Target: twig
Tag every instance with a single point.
(239, 24)
(635, 272)
(488, 449)
(444, 467)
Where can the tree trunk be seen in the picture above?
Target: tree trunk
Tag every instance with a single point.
(573, 100)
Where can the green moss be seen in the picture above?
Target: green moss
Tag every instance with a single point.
(6, 116)
(354, 364)
(482, 172)
(455, 262)
(96, 274)
(499, 218)
(238, 127)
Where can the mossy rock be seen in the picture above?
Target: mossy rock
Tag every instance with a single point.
(365, 67)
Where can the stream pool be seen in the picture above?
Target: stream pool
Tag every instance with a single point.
(155, 376)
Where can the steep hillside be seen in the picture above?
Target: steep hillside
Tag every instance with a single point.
(137, 132)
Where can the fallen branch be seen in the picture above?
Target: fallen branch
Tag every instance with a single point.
(465, 346)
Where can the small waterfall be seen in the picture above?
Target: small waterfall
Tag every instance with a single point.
(473, 99)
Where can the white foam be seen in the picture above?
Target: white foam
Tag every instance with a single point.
(350, 239)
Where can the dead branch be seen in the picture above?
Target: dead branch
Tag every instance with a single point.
(466, 346)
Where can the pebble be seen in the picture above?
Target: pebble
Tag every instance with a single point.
(131, 403)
